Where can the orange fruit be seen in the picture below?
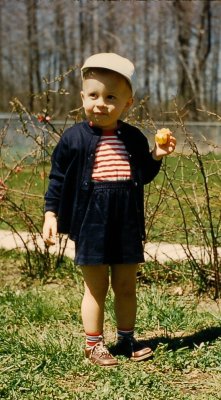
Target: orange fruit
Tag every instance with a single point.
(162, 135)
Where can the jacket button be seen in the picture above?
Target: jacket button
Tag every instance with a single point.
(119, 132)
(85, 183)
(135, 183)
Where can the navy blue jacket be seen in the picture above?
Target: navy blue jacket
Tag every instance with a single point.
(72, 163)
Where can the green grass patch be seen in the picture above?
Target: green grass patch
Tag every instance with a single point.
(23, 204)
(42, 342)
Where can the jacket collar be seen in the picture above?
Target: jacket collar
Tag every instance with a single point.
(94, 130)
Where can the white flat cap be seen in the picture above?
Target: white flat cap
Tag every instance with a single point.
(113, 62)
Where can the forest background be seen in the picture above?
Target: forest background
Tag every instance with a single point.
(175, 45)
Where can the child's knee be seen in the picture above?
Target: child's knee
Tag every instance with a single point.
(97, 291)
(123, 289)
(123, 280)
(96, 280)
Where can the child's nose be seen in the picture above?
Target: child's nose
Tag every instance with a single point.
(100, 102)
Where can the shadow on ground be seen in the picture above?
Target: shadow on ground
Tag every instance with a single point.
(207, 335)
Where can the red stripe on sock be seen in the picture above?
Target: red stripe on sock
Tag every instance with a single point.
(93, 338)
(94, 334)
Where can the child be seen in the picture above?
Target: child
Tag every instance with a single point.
(95, 195)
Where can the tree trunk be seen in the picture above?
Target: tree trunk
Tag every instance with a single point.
(1, 63)
(186, 86)
(33, 51)
(202, 52)
(146, 56)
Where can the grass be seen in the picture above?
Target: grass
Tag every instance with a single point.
(24, 202)
(42, 341)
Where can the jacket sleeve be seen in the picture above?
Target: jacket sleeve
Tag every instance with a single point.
(60, 161)
(151, 167)
(148, 167)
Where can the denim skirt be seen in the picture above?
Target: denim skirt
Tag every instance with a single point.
(110, 231)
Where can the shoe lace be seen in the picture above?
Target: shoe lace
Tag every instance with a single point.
(101, 350)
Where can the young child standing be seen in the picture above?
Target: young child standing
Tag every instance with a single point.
(95, 195)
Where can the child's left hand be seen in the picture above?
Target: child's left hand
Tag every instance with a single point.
(161, 150)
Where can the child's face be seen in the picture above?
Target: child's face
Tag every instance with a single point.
(105, 95)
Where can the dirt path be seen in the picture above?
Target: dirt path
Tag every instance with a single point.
(161, 252)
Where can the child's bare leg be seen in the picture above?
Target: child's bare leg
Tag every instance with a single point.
(96, 282)
(123, 280)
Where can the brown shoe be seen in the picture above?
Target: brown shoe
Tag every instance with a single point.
(133, 349)
(100, 355)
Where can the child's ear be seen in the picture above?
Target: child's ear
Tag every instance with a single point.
(129, 103)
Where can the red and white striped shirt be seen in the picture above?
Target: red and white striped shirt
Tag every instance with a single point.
(111, 159)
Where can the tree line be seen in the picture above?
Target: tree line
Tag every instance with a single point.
(175, 45)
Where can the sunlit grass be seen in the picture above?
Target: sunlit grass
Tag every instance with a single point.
(42, 343)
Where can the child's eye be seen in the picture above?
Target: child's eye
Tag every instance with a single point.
(111, 97)
(92, 95)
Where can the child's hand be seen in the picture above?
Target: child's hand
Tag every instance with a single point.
(50, 228)
(165, 143)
